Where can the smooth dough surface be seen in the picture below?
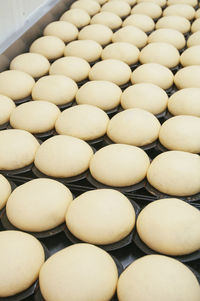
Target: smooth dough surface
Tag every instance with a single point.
(14, 155)
(19, 252)
(83, 266)
(172, 217)
(118, 7)
(100, 33)
(189, 2)
(16, 84)
(183, 10)
(5, 191)
(130, 34)
(90, 6)
(102, 94)
(141, 21)
(188, 77)
(59, 156)
(195, 25)
(145, 96)
(158, 2)
(190, 56)
(7, 105)
(194, 39)
(150, 9)
(113, 165)
(174, 22)
(58, 89)
(112, 20)
(38, 205)
(87, 217)
(197, 13)
(78, 17)
(64, 30)
(175, 173)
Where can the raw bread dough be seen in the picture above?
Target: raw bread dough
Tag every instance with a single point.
(158, 2)
(90, 6)
(38, 205)
(102, 94)
(82, 121)
(190, 56)
(78, 17)
(189, 2)
(174, 22)
(194, 39)
(175, 173)
(113, 165)
(16, 84)
(101, 2)
(64, 30)
(87, 217)
(162, 226)
(195, 25)
(100, 33)
(145, 96)
(112, 70)
(118, 7)
(7, 105)
(150, 9)
(107, 18)
(21, 258)
(183, 10)
(90, 274)
(5, 191)
(188, 77)
(197, 13)
(141, 21)
(59, 156)
(130, 34)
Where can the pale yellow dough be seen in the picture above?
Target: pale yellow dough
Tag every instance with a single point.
(189, 2)
(158, 2)
(141, 21)
(183, 10)
(78, 17)
(64, 30)
(195, 25)
(7, 105)
(188, 77)
(90, 6)
(100, 33)
(150, 9)
(174, 22)
(130, 34)
(197, 13)
(118, 7)
(107, 18)
(5, 191)
(194, 39)
(190, 56)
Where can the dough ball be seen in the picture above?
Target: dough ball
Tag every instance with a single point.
(58, 89)
(118, 7)
(161, 226)
(34, 64)
(83, 266)
(183, 10)
(112, 70)
(7, 105)
(14, 155)
(49, 46)
(161, 53)
(5, 191)
(102, 94)
(87, 217)
(130, 34)
(158, 2)
(89, 50)
(174, 22)
(189, 2)
(59, 156)
(197, 13)
(90, 6)
(188, 77)
(38, 205)
(78, 17)
(101, 2)
(141, 21)
(175, 173)
(112, 20)
(150, 9)
(195, 25)
(145, 96)
(75, 68)
(153, 73)
(168, 35)
(130, 2)
(16, 84)
(177, 282)
(100, 33)
(35, 116)
(113, 165)
(190, 56)
(185, 102)
(62, 29)
(194, 39)
(126, 52)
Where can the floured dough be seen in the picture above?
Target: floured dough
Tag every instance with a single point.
(64, 30)
(189, 2)
(188, 77)
(159, 2)
(120, 8)
(183, 10)
(141, 21)
(7, 105)
(100, 33)
(107, 18)
(90, 6)
(130, 34)
(78, 17)
(190, 56)
(195, 25)
(174, 22)
(194, 39)
(197, 13)
(5, 191)
(150, 9)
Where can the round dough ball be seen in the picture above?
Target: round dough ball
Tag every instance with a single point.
(128, 127)
(126, 52)
(168, 35)
(7, 105)
(35, 116)
(83, 266)
(58, 89)
(183, 10)
(175, 173)
(174, 22)
(38, 205)
(197, 13)
(102, 94)
(158, 2)
(89, 50)
(195, 25)
(113, 165)
(59, 156)
(75, 68)
(100, 33)
(188, 77)
(16, 84)
(177, 281)
(145, 96)
(5, 191)
(14, 155)
(194, 39)
(87, 217)
(189, 2)
(112, 70)
(153, 73)
(101, 2)
(141, 21)
(130, 2)
(76, 16)
(49, 46)
(190, 56)
(181, 133)
(161, 53)
(118, 7)
(90, 6)
(150, 9)
(34, 64)
(185, 102)
(62, 29)
(107, 18)
(130, 34)
(153, 221)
